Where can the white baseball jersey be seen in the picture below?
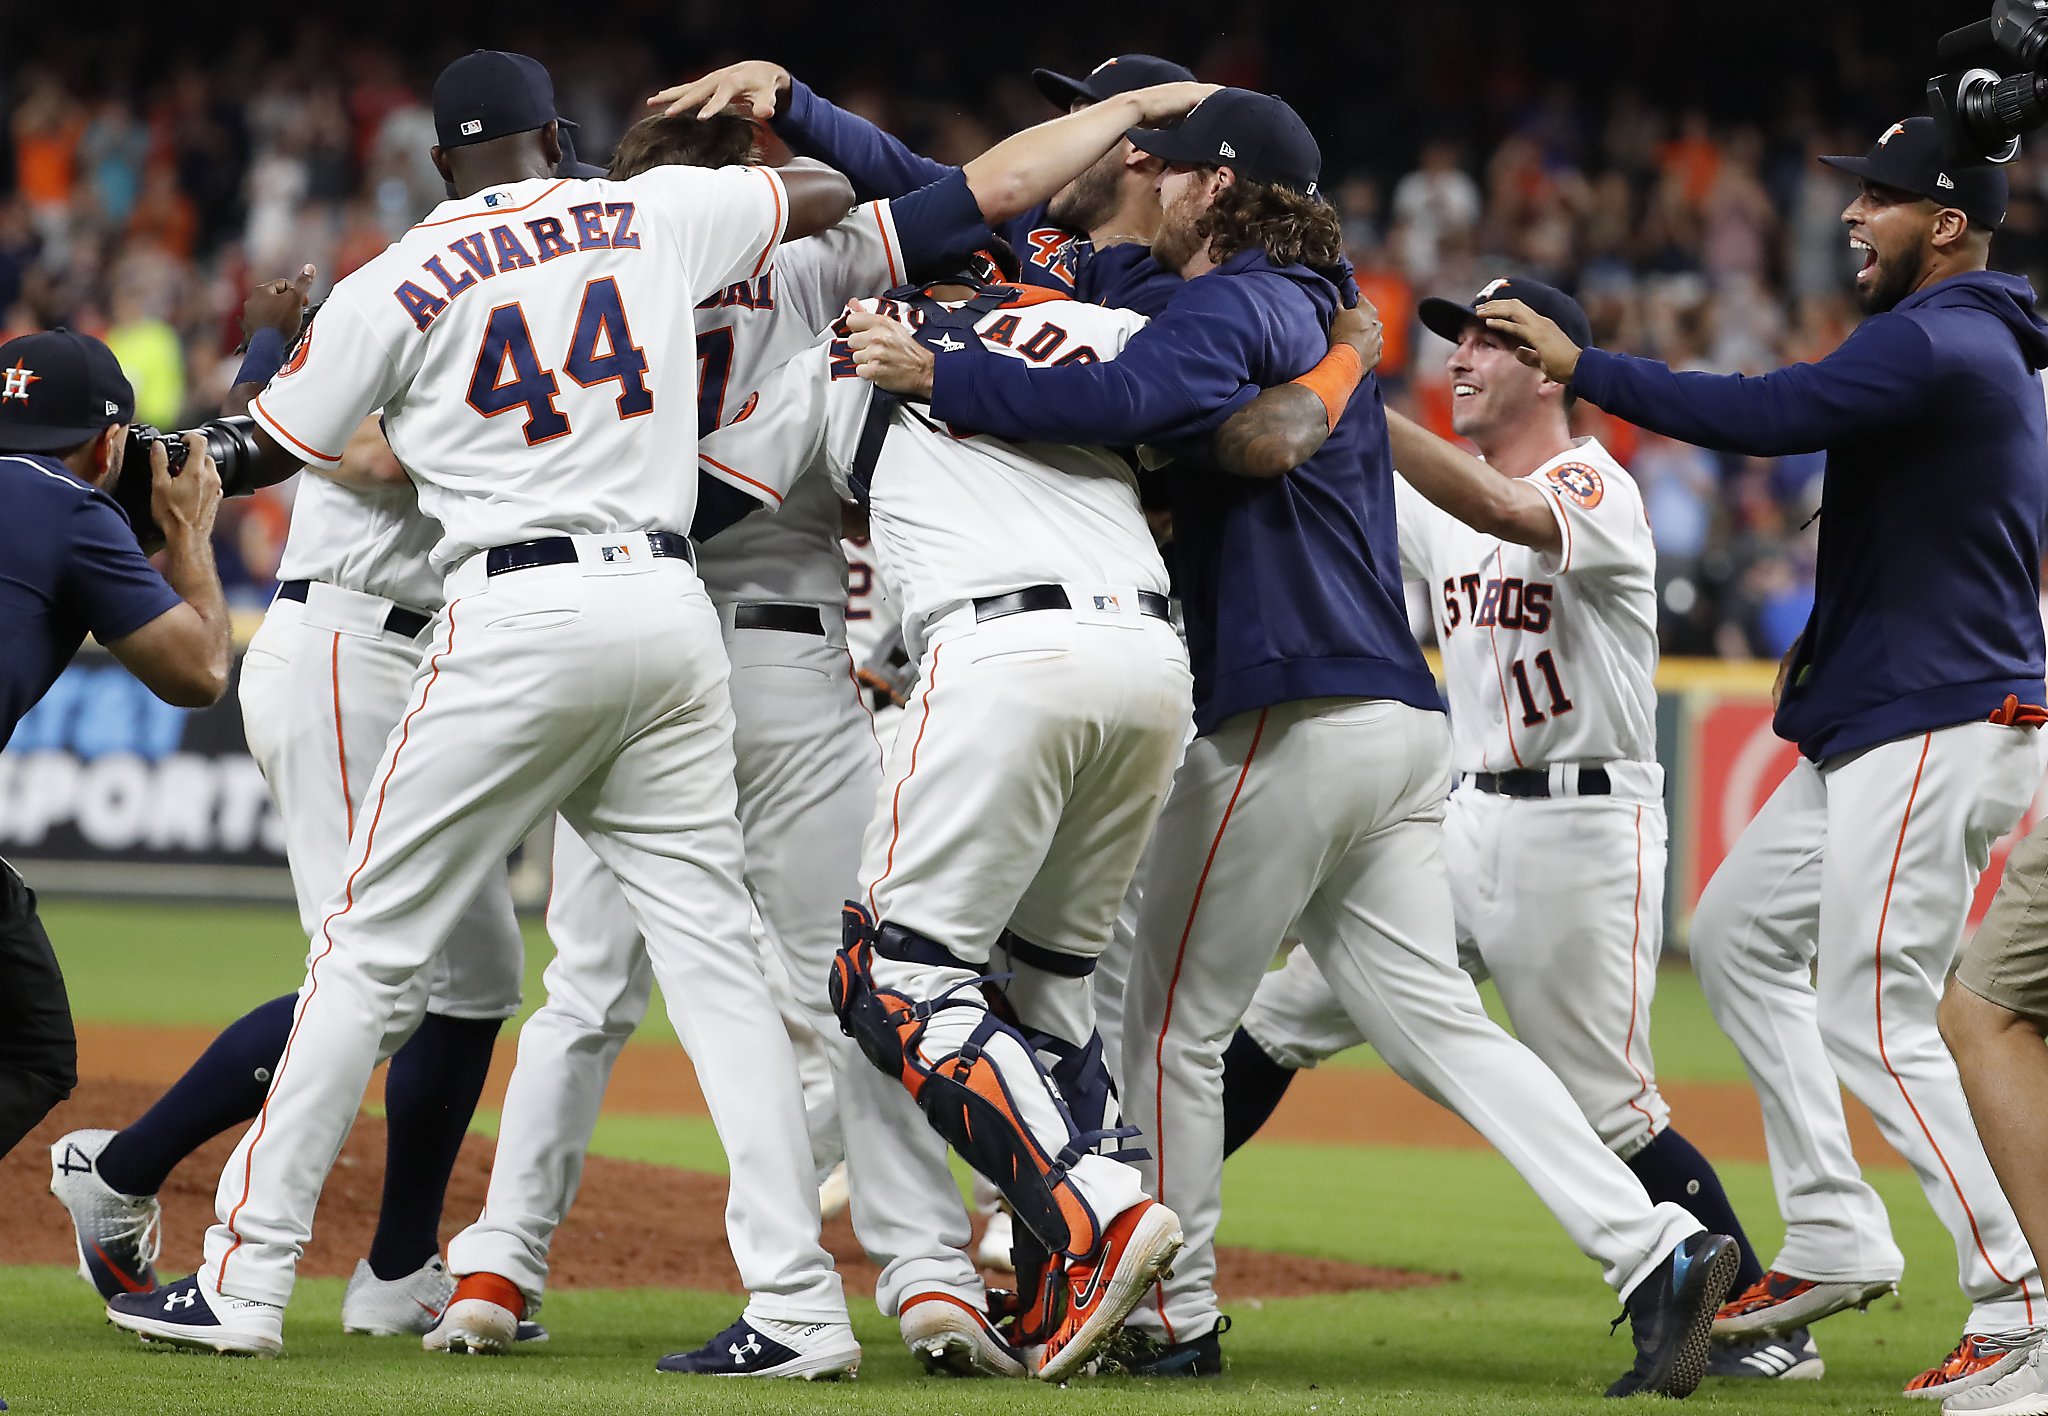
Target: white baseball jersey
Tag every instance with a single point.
(376, 542)
(745, 333)
(558, 308)
(954, 514)
(1548, 658)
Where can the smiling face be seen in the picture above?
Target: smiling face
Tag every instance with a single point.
(1891, 240)
(1492, 392)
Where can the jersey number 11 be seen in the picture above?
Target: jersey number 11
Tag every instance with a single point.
(601, 350)
(1559, 704)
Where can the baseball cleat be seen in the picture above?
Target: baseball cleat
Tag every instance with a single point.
(117, 1235)
(1781, 1303)
(1100, 1290)
(833, 1192)
(1980, 1359)
(998, 1238)
(399, 1307)
(953, 1337)
(181, 1314)
(1790, 1358)
(2023, 1391)
(763, 1347)
(1136, 1354)
(1669, 1314)
(482, 1319)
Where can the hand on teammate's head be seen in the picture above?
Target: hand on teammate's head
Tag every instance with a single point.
(753, 86)
(1169, 103)
(1543, 345)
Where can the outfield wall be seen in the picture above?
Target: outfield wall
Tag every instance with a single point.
(104, 790)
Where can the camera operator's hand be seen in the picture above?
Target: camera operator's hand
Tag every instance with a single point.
(1544, 345)
(184, 505)
(278, 305)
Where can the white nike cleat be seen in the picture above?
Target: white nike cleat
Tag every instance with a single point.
(2023, 1391)
(953, 1337)
(399, 1307)
(993, 1252)
(833, 1192)
(117, 1235)
(183, 1314)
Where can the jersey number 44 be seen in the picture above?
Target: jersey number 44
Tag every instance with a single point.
(509, 373)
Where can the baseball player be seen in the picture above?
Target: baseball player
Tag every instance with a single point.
(1913, 694)
(1555, 837)
(1089, 239)
(1313, 792)
(576, 665)
(1033, 595)
(792, 781)
(323, 683)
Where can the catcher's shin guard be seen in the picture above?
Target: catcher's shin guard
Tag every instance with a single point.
(967, 1094)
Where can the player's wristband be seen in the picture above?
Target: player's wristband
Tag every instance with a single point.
(1333, 379)
(264, 358)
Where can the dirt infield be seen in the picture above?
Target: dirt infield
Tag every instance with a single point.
(634, 1225)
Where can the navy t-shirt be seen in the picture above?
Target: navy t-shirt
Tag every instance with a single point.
(69, 566)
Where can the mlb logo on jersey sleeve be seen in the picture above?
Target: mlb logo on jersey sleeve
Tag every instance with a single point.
(1579, 482)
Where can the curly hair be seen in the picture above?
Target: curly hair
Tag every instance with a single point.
(722, 140)
(1294, 229)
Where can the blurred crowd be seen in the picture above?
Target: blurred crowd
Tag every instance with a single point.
(143, 214)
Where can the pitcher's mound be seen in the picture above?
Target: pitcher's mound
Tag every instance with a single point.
(634, 1225)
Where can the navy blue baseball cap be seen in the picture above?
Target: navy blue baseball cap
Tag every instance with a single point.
(1255, 135)
(489, 93)
(1449, 318)
(1908, 158)
(571, 165)
(1109, 78)
(59, 389)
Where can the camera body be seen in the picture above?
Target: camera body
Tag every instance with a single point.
(1980, 111)
(231, 442)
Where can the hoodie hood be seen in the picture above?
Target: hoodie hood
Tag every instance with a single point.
(1317, 287)
(2009, 297)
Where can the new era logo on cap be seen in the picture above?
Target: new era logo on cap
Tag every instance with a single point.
(1225, 150)
(1941, 180)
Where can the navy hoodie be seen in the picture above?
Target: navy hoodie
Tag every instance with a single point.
(1927, 598)
(879, 165)
(1291, 587)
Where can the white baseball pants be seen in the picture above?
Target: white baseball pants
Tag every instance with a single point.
(1324, 817)
(1822, 944)
(598, 689)
(1561, 903)
(808, 765)
(1018, 793)
(322, 687)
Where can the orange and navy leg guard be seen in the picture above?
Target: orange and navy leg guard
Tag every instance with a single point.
(967, 1095)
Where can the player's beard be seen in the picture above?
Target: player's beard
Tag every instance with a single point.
(1893, 279)
(1180, 230)
(1088, 202)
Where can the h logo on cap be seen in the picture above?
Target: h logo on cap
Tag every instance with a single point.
(1890, 133)
(1492, 287)
(17, 381)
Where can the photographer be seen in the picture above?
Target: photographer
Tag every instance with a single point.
(1914, 695)
(70, 564)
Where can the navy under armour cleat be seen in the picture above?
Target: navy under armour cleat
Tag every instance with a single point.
(766, 1348)
(183, 1314)
(1671, 1314)
(1135, 1354)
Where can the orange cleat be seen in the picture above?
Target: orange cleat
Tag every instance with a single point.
(1978, 1360)
(1136, 1250)
(1780, 1303)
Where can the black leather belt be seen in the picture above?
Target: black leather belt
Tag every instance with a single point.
(1054, 597)
(1531, 782)
(789, 619)
(401, 621)
(560, 550)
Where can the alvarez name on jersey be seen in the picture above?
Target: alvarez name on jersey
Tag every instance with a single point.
(1548, 658)
(516, 338)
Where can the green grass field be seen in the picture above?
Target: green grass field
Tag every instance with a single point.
(1523, 1330)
